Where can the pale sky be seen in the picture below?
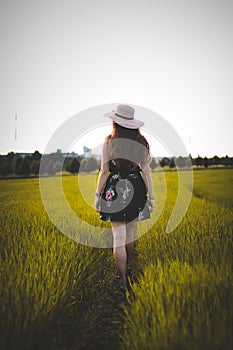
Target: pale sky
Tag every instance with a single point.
(95, 138)
(59, 58)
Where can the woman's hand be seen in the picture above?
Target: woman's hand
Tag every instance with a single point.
(97, 204)
(151, 204)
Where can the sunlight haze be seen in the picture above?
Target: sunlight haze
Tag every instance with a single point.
(173, 57)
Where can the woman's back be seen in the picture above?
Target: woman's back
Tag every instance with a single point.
(123, 167)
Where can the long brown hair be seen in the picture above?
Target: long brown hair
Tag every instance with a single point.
(118, 131)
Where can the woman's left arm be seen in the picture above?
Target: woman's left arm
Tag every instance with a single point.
(102, 178)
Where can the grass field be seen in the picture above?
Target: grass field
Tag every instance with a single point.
(58, 294)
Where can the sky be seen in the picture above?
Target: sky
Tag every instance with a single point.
(61, 57)
(94, 139)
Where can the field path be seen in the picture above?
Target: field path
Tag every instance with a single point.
(106, 335)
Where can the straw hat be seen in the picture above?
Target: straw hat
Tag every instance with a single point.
(124, 116)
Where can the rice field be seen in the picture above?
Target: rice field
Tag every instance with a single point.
(59, 294)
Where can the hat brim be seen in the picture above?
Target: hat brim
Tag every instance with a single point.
(126, 123)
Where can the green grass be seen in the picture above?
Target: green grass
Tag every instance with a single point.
(183, 298)
(58, 294)
(44, 275)
(215, 185)
(178, 306)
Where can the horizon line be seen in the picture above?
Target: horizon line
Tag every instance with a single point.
(159, 156)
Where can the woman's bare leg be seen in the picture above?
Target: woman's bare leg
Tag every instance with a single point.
(130, 229)
(119, 250)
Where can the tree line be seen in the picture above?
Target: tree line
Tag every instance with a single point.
(15, 164)
(199, 162)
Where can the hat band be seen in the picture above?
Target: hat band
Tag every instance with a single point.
(121, 116)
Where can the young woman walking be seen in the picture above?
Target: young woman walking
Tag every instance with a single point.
(124, 193)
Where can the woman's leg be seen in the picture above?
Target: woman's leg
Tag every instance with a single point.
(130, 229)
(119, 250)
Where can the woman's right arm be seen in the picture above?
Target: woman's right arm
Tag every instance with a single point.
(146, 175)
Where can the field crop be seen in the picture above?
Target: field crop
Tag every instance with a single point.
(59, 294)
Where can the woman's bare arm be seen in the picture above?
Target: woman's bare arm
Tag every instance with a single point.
(104, 170)
(102, 178)
(146, 175)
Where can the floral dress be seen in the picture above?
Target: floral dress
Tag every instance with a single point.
(124, 196)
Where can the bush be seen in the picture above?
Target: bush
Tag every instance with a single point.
(73, 165)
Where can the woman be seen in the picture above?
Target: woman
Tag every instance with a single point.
(124, 183)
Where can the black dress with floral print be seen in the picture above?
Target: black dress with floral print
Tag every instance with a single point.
(124, 196)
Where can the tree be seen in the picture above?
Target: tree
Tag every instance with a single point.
(3, 159)
(206, 162)
(216, 160)
(17, 164)
(34, 167)
(36, 156)
(226, 161)
(210, 162)
(74, 166)
(165, 161)
(43, 166)
(199, 161)
(24, 168)
(89, 164)
(6, 169)
(57, 166)
(172, 163)
(51, 163)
